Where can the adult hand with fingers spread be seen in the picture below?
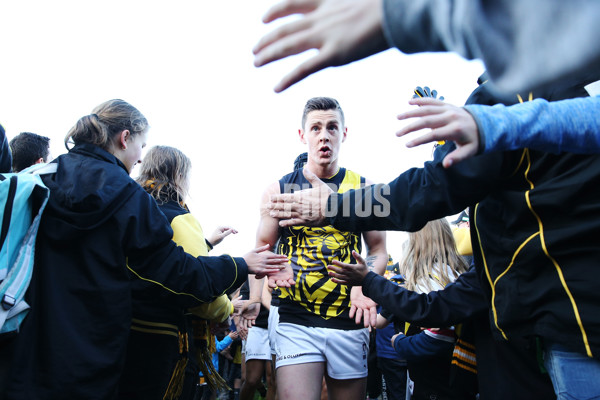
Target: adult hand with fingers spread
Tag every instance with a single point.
(349, 274)
(305, 207)
(362, 308)
(263, 262)
(342, 31)
(447, 122)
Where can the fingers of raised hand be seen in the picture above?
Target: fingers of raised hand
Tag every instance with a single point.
(308, 67)
(287, 40)
(284, 223)
(283, 201)
(289, 7)
(429, 120)
(425, 101)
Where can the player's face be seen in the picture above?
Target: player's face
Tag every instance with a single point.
(324, 134)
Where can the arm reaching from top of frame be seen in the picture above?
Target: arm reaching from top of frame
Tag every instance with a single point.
(342, 31)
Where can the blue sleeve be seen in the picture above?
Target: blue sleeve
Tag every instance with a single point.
(420, 346)
(5, 155)
(571, 125)
(457, 302)
(222, 345)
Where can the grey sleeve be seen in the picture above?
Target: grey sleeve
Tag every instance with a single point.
(524, 44)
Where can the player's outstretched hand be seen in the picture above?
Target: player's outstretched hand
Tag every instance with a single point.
(362, 308)
(283, 278)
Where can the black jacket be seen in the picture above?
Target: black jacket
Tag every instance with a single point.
(505, 370)
(99, 232)
(5, 155)
(534, 229)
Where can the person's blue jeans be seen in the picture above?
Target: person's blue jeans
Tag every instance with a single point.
(573, 375)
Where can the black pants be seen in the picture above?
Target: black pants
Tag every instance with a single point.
(6, 356)
(151, 359)
(394, 373)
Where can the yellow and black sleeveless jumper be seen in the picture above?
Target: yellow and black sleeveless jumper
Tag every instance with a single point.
(315, 300)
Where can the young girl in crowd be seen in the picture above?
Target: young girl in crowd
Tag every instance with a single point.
(99, 233)
(161, 350)
(429, 263)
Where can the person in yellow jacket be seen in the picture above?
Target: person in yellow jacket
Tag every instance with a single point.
(168, 345)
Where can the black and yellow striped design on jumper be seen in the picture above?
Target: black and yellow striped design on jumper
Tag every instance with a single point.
(464, 356)
(157, 328)
(311, 249)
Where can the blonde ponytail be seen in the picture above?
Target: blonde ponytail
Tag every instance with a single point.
(106, 121)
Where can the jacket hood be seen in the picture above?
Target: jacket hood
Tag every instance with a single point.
(89, 186)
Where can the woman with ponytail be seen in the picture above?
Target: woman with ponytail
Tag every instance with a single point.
(100, 233)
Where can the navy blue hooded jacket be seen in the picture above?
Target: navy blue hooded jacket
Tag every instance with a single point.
(505, 370)
(5, 155)
(99, 232)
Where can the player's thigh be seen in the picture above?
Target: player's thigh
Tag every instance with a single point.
(300, 381)
(346, 389)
